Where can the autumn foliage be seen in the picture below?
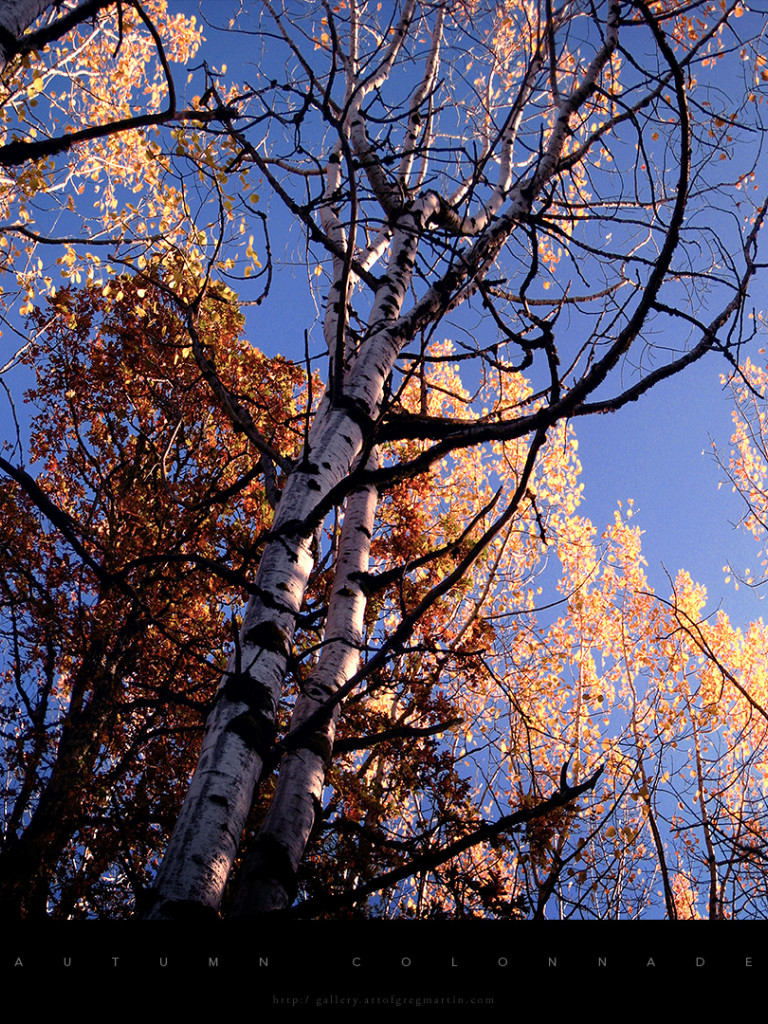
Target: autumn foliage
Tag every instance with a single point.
(144, 471)
(330, 634)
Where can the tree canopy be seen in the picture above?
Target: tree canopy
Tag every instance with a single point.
(312, 622)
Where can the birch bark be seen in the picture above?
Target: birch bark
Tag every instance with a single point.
(241, 726)
(269, 878)
(15, 18)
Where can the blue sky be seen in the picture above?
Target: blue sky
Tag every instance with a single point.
(659, 452)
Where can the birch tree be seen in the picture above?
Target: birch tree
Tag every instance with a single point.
(501, 208)
(453, 204)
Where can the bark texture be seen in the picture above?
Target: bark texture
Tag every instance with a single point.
(16, 16)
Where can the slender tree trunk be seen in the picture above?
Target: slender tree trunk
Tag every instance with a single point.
(16, 16)
(28, 862)
(268, 881)
(241, 726)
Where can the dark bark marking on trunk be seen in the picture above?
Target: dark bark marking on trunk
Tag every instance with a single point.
(257, 731)
(273, 861)
(358, 412)
(320, 745)
(270, 637)
(268, 599)
(241, 689)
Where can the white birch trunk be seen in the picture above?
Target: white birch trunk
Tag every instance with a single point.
(269, 877)
(240, 728)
